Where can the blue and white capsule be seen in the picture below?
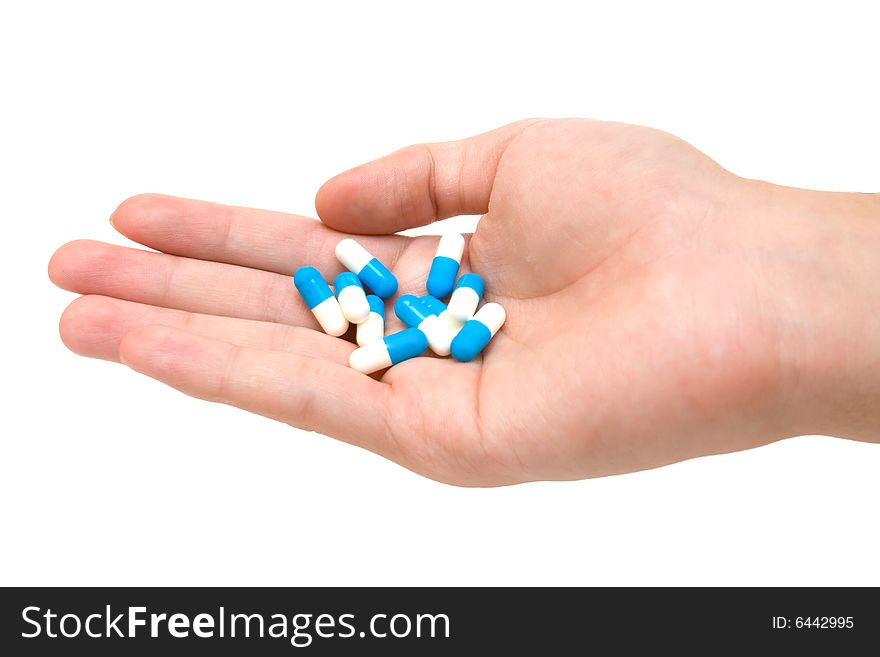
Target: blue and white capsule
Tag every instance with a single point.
(475, 335)
(373, 329)
(466, 297)
(444, 267)
(352, 298)
(388, 351)
(373, 274)
(320, 300)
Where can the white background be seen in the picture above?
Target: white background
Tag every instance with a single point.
(111, 478)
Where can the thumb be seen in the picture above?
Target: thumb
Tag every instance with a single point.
(416, 185)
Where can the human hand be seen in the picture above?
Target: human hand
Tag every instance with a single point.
(659, 307)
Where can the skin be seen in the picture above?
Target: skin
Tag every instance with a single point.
(659, 307)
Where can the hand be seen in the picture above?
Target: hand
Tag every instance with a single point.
(659, 307)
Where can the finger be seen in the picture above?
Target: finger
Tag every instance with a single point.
(273, 241)
(94, 326)
(416, 185)
(309, 393)
(158, 279)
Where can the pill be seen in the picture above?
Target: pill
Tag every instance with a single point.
(320, 300)
(388, 351)
(352, 298)
(444, 330)
(466, 297)
(373, 329)
(444, 267)
(477, 332)
(373, 274)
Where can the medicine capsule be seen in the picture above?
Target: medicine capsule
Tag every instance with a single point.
(373, 329)
(352, 298)
(444, 267)
(389, 351)
(477, 332)
(372, 273)
(466, 297)
(320, 300)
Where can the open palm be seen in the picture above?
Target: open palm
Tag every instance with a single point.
(635, 335)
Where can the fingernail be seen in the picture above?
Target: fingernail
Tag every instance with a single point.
(111, 221)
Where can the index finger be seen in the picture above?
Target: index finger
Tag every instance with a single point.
(260, 239)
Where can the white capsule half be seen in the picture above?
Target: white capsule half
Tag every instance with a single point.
(463, 303)
(370, 358)
(441, 333)
(371, 330)
(353, 301)
(451, 245)
(466, 297)
(430, 326)
(330, 317)
(352, 255)
(492, 316)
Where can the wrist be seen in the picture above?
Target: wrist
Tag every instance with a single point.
(825, 302)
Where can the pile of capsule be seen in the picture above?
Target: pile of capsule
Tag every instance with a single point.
(458, 329)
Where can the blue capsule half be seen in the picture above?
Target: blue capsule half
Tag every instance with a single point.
(405, 344)
(441, 278)
(311, 286)
(376, 305)
(378, 278)
(410, 310)
(344, 280)
(470, 341)
(473, 281)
